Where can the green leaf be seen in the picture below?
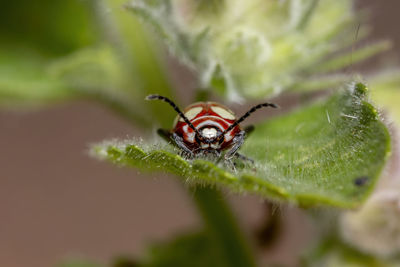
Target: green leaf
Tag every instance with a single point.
(315, 155)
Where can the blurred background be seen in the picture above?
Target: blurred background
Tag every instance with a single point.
(57, 203)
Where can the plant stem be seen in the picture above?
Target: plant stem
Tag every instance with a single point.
(308, 14)
(140, 61)
(222, 227)
(111, 33)
(268, 232)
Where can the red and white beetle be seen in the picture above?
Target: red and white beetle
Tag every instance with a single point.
(207, 127)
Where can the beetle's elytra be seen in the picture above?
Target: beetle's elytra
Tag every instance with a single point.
(207, 127)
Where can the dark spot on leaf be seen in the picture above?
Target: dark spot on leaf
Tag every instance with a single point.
(360, 181)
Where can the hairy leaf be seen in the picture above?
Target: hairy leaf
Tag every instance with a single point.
(316, 155)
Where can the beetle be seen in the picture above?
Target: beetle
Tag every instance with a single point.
(208, 128)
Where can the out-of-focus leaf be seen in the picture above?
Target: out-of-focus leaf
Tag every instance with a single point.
(351, 57)
(32, 35)
(51, 27)
(387, 92)
(110, 59)
(374, 228)
(195, 250)
(335, 253)
(96, 71)
(219, 244)
(26, 80)
(79, 263)
(138, 56)
(318, 83)
(99, 73)
(312, 156)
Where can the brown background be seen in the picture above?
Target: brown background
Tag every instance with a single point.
(56, 202)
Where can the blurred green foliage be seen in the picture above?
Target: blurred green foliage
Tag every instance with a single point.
(79, 263)
(52, 27)
(332, 252)
(56, 50)
(331, 152)
(253, 49)
(196, 248)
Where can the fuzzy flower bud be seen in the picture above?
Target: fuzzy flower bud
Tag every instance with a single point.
(253, 48)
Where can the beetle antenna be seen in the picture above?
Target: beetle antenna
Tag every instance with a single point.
(175, 107)
(247, 114)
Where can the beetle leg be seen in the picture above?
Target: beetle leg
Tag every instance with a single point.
(165, 134)
(243, 157)
(237, 143)
(179, 142)
(231, 164)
